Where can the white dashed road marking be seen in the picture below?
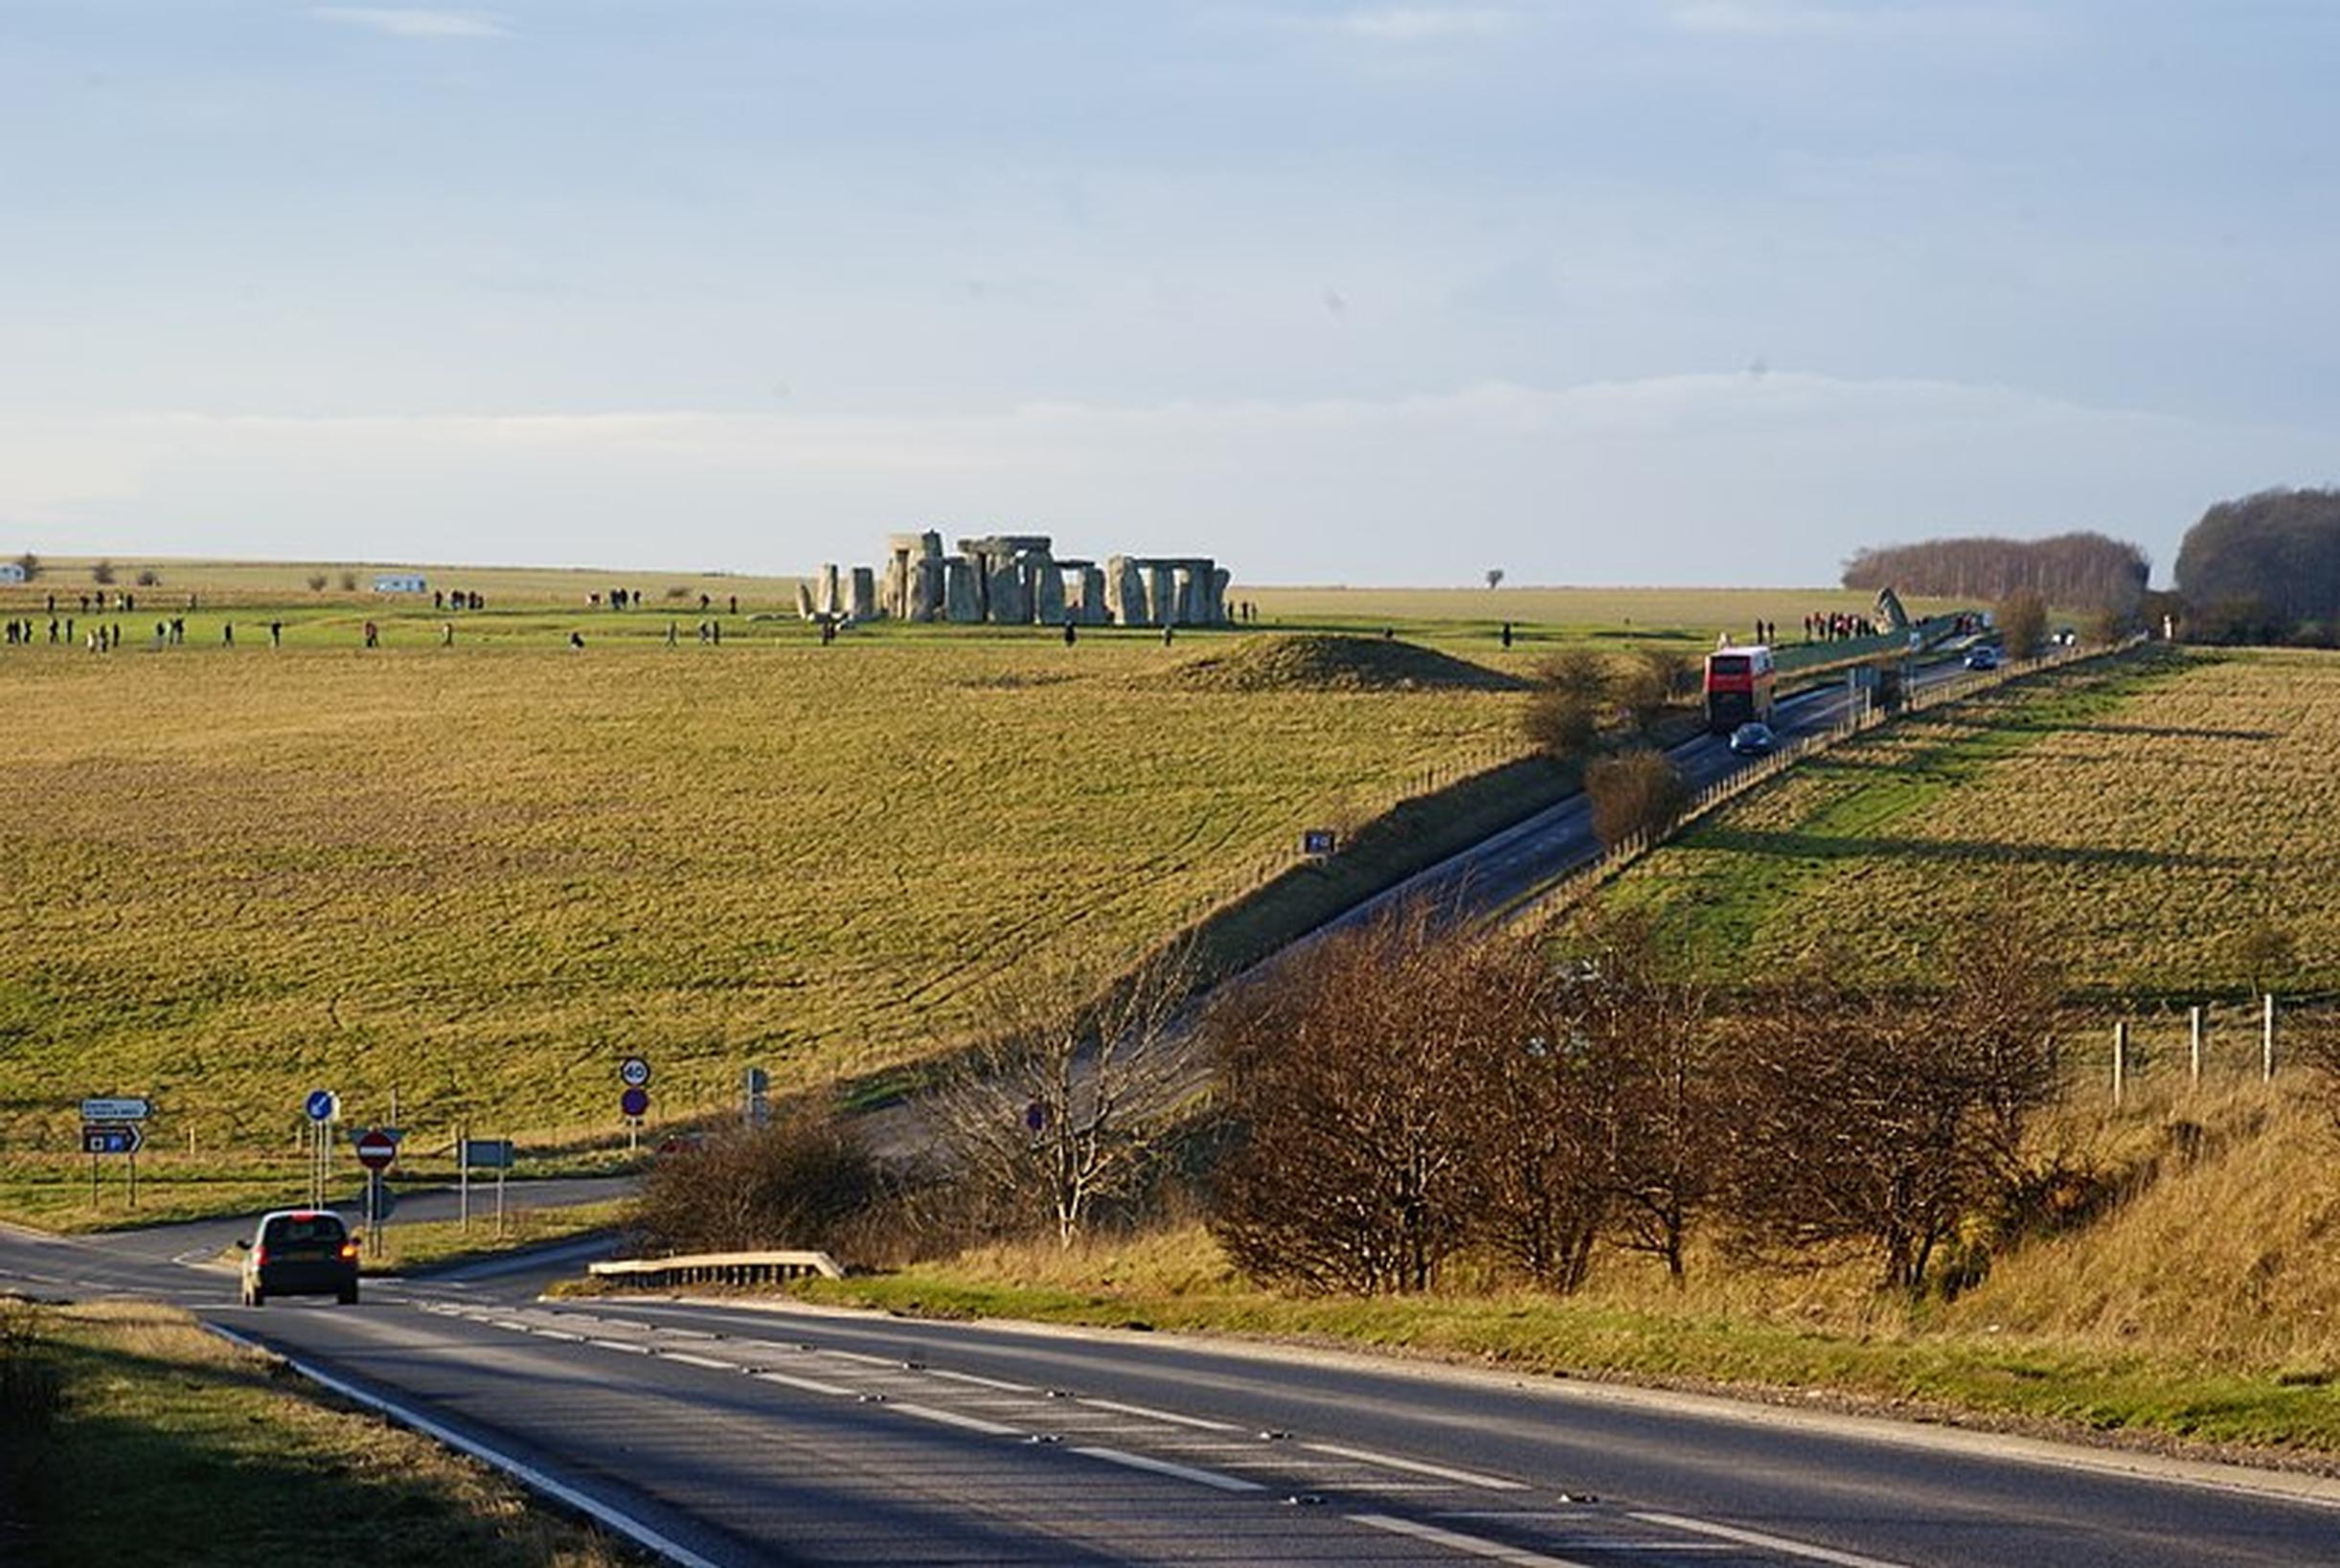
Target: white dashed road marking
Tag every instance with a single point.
(1163, 1466)
(1466, 1478)
(1478, 1546)
(1769, 1544)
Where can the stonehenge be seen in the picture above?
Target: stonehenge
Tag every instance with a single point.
(1015, 580)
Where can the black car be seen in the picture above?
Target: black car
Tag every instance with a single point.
(300, 1252)
(1754, 738)
(1981, 657)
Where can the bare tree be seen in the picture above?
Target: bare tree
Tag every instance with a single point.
(1070, 1102)
(1494, 576)
(1862, 1119)
(1340, 1073)
(1565, 709)
(29, 564)
(316, 582)
(797, 1182)
(2022, 620)
(102, 572)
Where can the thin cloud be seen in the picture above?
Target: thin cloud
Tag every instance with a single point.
(414, 21)
(1813, 18)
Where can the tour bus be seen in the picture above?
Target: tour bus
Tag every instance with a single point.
(1738, 686)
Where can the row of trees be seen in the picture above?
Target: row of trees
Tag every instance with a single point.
(2263, 569)
(2086, 571)
(1403, 1095)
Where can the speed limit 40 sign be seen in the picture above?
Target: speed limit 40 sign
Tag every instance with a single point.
(634, 1072)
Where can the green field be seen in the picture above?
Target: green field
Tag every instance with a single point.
(2148, 809)
(479, 877)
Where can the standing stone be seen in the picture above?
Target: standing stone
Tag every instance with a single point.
(1008, 605)
(959, 603)
(804, 602)
(1093, 610)
(862, 605)
(1221, 579)
(1125, 591)
(824, 594)
(1161, 594)
(925, 589)
(1047, 588)
(1189, 595)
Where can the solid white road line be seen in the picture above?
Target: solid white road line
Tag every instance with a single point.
(620, 1344)
(528, 1475)
(690, 1360)
(952, 1418)
(1468, 1478)
(1163, 1466)
(1478, 1546)
(1769, 1544)
(1150, 1414)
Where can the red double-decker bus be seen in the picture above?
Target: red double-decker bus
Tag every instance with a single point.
(1738, 687)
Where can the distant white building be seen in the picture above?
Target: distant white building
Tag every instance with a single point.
(12, 571)
(400, 582)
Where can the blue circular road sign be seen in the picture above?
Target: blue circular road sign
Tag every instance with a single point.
(634, 1103)
(323, 1105)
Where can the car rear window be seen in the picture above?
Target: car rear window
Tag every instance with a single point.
(292, 1230)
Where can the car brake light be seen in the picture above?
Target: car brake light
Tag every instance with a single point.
(349, 1249)
(260, 1256)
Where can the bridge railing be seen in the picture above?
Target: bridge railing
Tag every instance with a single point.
(717, 1268)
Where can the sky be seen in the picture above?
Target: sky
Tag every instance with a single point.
(1599, 292)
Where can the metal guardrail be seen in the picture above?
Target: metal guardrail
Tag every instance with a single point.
(719, 1269)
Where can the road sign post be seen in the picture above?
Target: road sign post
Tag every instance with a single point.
(114, 1126)
(322, 1108)
(376, 1149)
(634, 1104)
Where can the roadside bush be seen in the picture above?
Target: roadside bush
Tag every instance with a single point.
(349, 583)
(149, 577)
(1636, 793)
(30, 563)
(1564, 712)
(102, 572)
(316, 582)
(2022, 621)
(797, 1182)
(1350, 1171)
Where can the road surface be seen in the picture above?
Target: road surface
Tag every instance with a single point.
(738, 1435)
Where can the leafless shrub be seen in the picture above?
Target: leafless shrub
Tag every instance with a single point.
(1866, 1121)
(798, 1182)
(316, 582)
(1065, 1109)
(102, 572)
(349, 583)
(1634, 793)
(1340, 1073)
(149, 577)
(2022, 621)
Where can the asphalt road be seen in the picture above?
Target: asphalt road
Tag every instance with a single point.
(745, 1436)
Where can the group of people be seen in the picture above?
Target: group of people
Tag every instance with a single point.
(457, 599)
(1836, 627)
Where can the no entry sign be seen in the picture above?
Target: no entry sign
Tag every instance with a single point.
(376, 1147)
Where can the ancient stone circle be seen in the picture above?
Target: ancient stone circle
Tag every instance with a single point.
(1015, 580)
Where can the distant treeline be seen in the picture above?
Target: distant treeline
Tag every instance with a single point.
(2265, 569)
(2084, 571)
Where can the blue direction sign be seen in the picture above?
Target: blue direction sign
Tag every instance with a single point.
(111, 1138)
(323, 1105)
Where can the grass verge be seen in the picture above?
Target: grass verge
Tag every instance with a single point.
(165, 1439)
(1880, 1359)
(446, 1243)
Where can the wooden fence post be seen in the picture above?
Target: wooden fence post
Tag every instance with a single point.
(2120, 1063)
(2266, 1040)
(2193, 1060)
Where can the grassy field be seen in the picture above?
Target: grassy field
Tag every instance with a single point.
(204, 1453)
(481, 878)
(2149, 809)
